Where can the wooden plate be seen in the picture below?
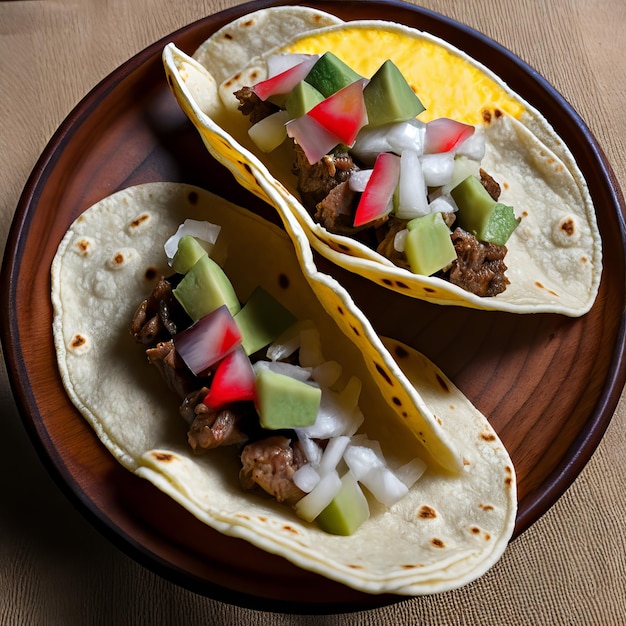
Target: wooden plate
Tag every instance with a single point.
(549, 384)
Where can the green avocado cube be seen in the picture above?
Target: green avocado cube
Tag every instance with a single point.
(204, 288)
(302, 99)
(389, 98)
(480, 215)
(330, 74)
(285, 402)
(261, 320)
(187, 254)
(347, 510)
(428, 245)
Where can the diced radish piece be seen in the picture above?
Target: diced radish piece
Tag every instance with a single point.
(306, 477)
(282, 61)
(437, 168)
(200, 229)
(312, 137)
(270, 132)
(233, 380)
(317, 500)
(343, 113)
(376, 199)
(284, 82)
(358, 180)
(208, 340)
(333, 454)
(412, 193)
(445, 135)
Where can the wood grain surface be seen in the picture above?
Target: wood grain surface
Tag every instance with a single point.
(57, 569)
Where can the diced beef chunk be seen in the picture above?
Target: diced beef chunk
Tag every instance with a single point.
(479, 267)
(492, 187)
(176, 374)
(271, 463)
(210, 429)
(316, 181)
(252, 106)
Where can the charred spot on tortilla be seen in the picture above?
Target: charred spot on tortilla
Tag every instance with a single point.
(355, 330)
(426, 512)
(487, 436)
(438, 543)
(402, 285)
(381, 370)
(442, 384)
(485, 507)
(78, 343)
(387, 281)
(400, 352)
(192, 197)
(140, 220)
(163, 457)
(340, 310)
(396, 401)
(283, 281)
(151, 273)
(430, 290)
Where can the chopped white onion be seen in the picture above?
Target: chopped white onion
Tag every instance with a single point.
(288, 341)
(269, 132)
(333, 454)
(319, 498)
(310, 348)
(399, 239)
(306, 477)
(369, 143)
(412, 193)
(302, 374)
(327, 374)
(311, 449)
(358, 180)
(411, 472)
(443, 204)
(473, 147)
(406, 136)
(202, 230)
(437, 168)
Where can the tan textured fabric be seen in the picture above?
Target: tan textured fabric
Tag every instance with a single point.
(569, 568)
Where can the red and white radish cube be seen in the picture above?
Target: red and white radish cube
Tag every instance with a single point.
(445, 135)
(208, 340)
(282, 61)
(283, 83)
(315, 140)
(233, 381)
(376, 201)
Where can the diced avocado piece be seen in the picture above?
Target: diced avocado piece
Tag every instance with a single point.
(389, 98)
(480, 215)
(428, 245)
(284, 402)
(261, 320)
(205, 288)
(302, 99)
(187, 254)
(347, 511)
(330, 74)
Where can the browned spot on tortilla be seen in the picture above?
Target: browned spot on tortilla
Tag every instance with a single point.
(353, 566)
(443, 384)
(140, 220)
(487, 536)
(411, 565)
(384, 374)
(401, 352)
(290, 529)
(426, 512)
(429, 290)
(192, 197)
(340, 310)
(387, 281)
(508, 481)
(401, 285)
(150, 273)
(550, 160)
(475, 530)
(466, 462)
(438, 543)
(396, 401)
(227, 36)
(163, 457)
(118, 259)
(242, 516)
(559, 167)
(538, 284)
(505, 185)
(405, 414)
(170, 80)
(253, 76)
(344, 247)
(524, 213)
(507, 469)
(83, 246)
(78, 341)
(262, 518)
(583, 259)
(486, 115)
(247, 24)
(498, 113)
(355, 330)
(283, 281)
(488, 436)
(80, 218)
(485, 507)
(438, 420)
(452, 407)
(247, 168)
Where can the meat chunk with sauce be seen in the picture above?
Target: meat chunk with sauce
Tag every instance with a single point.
(252, 106)
(271, 463)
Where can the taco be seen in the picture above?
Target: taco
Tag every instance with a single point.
(448, 528)
(546, 258)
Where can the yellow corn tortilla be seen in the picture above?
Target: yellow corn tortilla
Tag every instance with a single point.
(452, 526)
(554, 256)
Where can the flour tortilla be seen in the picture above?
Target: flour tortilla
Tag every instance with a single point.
(554, 256)
(457, 519)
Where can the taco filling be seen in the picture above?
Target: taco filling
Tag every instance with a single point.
(367, 168)
(254, 378)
